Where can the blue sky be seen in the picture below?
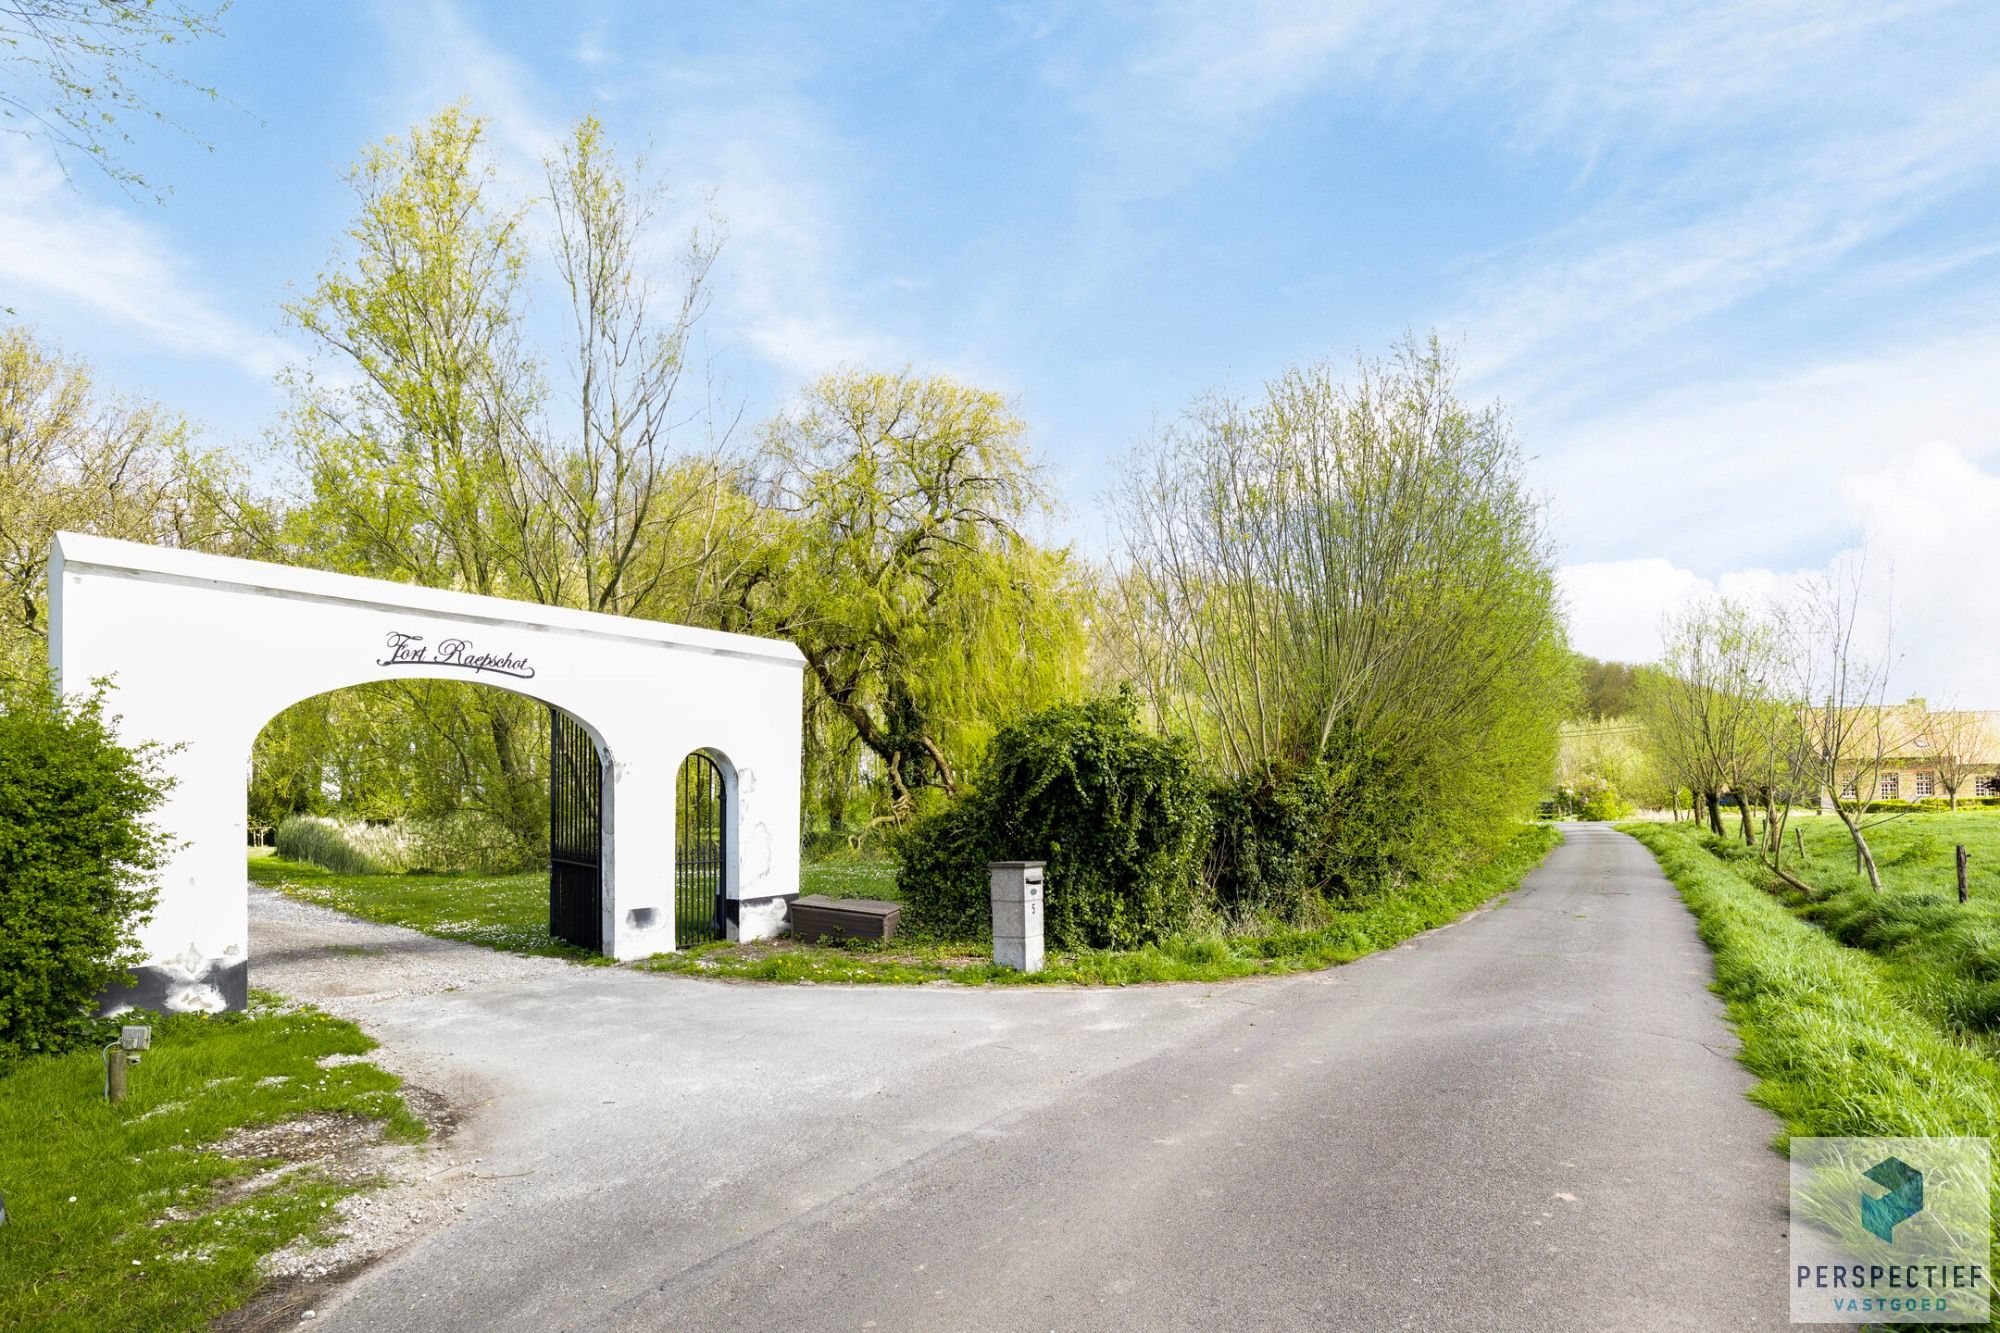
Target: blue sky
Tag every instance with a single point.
(1735, 268)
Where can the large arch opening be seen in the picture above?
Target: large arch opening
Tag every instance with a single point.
(457, 807)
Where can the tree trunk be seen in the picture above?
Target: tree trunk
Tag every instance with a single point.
(1864, 858)
(1963, 857)
(1743, 809)
(1714, 812)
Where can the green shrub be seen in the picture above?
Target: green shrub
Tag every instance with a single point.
(1118, 813)
(1330, 830)
(1594, 797)
(77, 856)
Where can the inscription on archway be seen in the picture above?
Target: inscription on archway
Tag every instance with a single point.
(406, 649)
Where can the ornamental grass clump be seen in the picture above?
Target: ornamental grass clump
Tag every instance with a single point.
(346, 847)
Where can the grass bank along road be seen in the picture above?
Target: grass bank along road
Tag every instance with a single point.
(1529, 1120)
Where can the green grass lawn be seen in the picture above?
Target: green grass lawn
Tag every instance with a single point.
(498, 911)
(128, 1217)
(851, 877)
(511, 912)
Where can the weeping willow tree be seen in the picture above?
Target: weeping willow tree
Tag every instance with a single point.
(898, 563)
(1352, 572)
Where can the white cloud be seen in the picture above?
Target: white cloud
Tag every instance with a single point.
(65, 254)
(1750, 472)
(1926, 520)
(764, 163)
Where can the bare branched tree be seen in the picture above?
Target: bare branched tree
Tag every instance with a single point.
(619, 509)
(1841, 672)
(77, 73)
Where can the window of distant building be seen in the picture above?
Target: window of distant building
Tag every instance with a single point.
(1986, 784)
(1847, 790)
(1890, 786)
(1925, 785)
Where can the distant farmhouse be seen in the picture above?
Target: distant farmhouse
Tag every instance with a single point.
(1930, 754)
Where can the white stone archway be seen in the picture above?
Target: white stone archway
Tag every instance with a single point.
(202, 651)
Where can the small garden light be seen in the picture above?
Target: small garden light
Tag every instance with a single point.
(132, 1038)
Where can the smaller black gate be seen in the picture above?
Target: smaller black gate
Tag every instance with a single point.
(700, 844)
(576, 837)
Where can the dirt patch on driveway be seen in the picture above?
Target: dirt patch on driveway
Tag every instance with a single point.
(347, 967)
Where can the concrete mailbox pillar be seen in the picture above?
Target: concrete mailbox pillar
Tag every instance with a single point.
(1017, 914)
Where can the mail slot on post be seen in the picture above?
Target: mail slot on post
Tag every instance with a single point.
(1017, 913)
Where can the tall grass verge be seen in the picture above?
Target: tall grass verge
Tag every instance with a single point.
(1825, 1028)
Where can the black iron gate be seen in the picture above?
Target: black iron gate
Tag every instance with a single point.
(700, 837)
(576, 839)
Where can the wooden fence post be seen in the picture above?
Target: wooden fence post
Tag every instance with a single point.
(1963, 857)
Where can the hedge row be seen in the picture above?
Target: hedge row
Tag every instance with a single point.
(1141, 844)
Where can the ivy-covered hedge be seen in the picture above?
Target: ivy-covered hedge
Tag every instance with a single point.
(1331, 829)
(77, 855)
(1120, 815)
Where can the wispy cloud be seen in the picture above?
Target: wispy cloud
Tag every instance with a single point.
(736, 145)
(1718, 150)
(63, 254)
(441, 57)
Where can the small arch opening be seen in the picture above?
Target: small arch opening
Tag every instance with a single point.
(701, 850)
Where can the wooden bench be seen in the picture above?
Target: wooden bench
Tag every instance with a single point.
(818, 917)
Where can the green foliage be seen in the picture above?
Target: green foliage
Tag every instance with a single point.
(1594, 754)
(128, 1216)
(1118, 813)
(463, 767)
(75, 458)
(1604, 689)
(448, 844)
(895, 559)
(1349, 931)
(1354, 562)
(342, 846)
(1591, 797)
(1340, 827)
(77, 855)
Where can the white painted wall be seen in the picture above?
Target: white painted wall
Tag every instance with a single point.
(202, 651)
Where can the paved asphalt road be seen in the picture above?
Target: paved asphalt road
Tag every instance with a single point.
(1530, 1120)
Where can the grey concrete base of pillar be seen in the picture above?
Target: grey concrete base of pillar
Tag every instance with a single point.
(204, 986)
(1023, 955)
